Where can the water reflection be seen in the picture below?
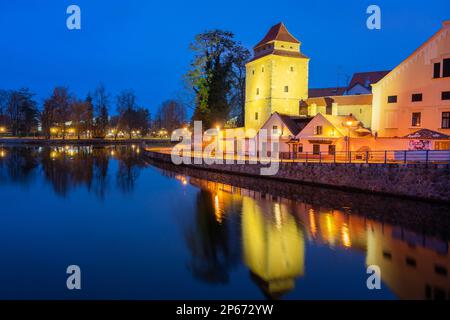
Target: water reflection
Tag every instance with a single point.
(69, 167)
(275, 231)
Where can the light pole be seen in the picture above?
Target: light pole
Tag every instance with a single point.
(349, 124)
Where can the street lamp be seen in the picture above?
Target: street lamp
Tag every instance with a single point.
(349, 124)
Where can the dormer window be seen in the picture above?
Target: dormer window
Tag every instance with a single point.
(318, 130)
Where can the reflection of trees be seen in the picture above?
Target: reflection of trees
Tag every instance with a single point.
(18, 164)
(212, 242)
(100, 171)
(130, 166)
(66, 168)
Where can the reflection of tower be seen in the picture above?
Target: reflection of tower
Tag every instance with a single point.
(273, 246)
(412, 265)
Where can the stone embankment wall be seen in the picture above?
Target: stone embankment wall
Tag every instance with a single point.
(430, 181)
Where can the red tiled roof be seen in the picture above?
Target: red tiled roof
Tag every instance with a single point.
(291, 54)
(367, 78)
(326, 92)
(278, 32)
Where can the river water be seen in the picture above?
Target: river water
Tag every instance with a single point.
(139, 229)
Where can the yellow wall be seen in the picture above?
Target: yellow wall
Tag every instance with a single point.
(271, 82)
(414, 75)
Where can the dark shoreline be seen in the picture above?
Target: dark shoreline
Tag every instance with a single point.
(249, 171)
(58, 142)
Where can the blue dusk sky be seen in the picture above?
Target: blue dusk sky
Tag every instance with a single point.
(144, 45)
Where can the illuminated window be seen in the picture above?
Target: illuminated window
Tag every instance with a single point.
(415, 121)
(392, 99)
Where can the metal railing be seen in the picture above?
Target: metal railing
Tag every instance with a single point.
(384, 156)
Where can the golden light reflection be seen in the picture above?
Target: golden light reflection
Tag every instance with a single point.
(312, 223)
(2, 153)
(346, 236)
(414, 265)
(217, 210)
(274, 251)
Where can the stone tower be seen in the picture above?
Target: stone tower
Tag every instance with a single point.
(276, 79)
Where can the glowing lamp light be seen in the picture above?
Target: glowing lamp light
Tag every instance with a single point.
(349, 123)
(2, 153)
(2, 129)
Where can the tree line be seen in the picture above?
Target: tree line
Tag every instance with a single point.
(64, 114)
(216, 77)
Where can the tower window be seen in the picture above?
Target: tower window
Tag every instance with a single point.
(392, 99)
(256, 115)
(257, 91)
(437, 70)
(253, 72)
(262, 69)
(286, 89)
(292, 69)
(416, 97)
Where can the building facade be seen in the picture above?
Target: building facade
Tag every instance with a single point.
(416, 94)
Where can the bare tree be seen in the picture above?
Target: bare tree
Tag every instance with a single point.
(101, 100)
(171, 115)
(78, 115)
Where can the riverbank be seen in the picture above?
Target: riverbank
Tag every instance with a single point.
(415, 181)
(39, 141)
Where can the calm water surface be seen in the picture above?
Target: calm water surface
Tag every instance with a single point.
(142, 230)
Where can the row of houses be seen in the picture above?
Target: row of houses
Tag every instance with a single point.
(407, 108)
